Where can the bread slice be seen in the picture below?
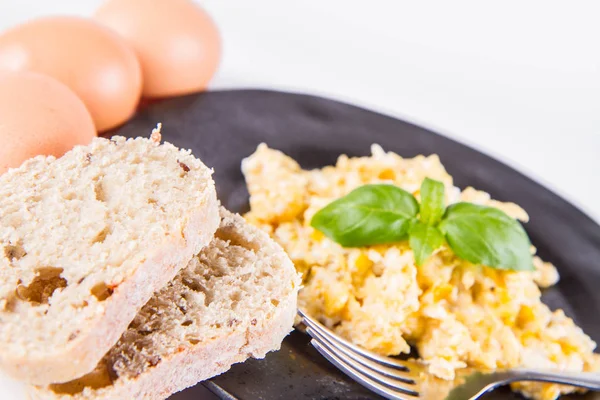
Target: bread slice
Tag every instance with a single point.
(236, 299)
(85, 241)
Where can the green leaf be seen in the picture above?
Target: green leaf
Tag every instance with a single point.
(424, 240)
(370, 214)
(486, 235)
(432, 201)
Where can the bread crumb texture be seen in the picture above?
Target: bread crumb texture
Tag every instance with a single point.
(237, 284)
(75, 228)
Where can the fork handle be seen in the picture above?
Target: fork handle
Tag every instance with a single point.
(586, 380)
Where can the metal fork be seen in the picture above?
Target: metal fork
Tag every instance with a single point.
(407, 380)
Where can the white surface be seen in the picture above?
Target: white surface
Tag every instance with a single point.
(517, 80)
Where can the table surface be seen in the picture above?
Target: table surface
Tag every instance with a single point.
(519, 81)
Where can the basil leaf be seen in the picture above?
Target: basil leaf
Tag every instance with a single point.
(432, 201)
(424, 240)
(370, 214)
(486, 235)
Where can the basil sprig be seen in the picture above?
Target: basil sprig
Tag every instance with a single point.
(486, 235)
(424, 240)
(370, 214)
(432, 201)
(381, 213)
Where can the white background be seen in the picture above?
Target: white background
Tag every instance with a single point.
(519, 80)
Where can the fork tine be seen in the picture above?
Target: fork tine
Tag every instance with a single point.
(393, 382)
(318, 327)
(349, 368)
(395, 374)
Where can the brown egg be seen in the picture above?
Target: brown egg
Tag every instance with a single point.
(177, 43)
(95, 62)
(39, 115)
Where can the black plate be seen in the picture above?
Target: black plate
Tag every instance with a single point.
(224, 127)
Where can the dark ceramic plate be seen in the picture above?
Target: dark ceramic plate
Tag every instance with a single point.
(224, 127)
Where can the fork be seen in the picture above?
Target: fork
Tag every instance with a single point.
(407, 380)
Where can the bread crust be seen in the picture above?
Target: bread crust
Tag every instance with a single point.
(185, 369)
(84, 352)
(94, 322)
(184, 366)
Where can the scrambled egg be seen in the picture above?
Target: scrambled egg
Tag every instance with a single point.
(455, 313)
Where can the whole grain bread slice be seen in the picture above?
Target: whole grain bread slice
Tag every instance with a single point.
(85, 241)
(236, 299)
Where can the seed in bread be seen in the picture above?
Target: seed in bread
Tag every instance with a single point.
(236, 299)
(85, 241)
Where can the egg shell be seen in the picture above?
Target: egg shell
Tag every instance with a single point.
(95, 62)
(39, 115)
(176, 41)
